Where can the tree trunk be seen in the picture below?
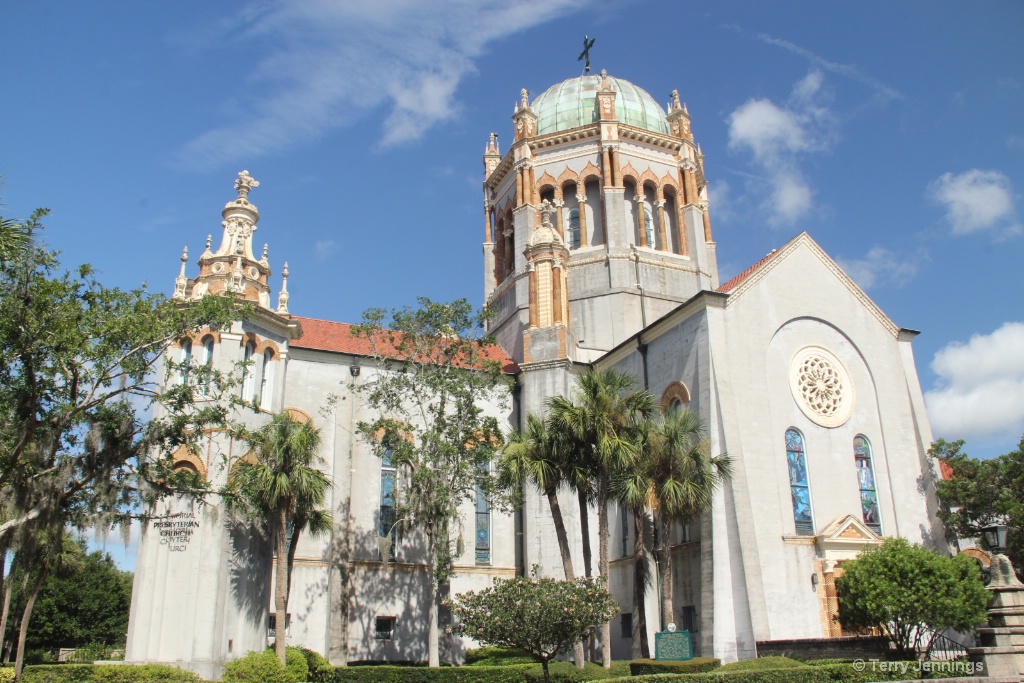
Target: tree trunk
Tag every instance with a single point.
(17, 610)
(281, 587)
(8, 589)
(563, 547)
(588, 570)
(433, 632)
(665, 555)
(641, 648)
(293, 543)
(19, 660)
(547, 674)
(602, 534)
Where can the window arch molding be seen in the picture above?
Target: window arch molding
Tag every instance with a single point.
(674, 392)
(184, 457)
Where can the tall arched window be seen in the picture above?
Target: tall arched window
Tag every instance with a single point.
(267, 381)
(483, 521)
(387, 500)
(207, 363)
(186, 360)
(649, 226)
(866, 481)
(248, 373)
(799, 484)
(574, 229)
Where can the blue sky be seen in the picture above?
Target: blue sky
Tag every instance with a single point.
(891, 132)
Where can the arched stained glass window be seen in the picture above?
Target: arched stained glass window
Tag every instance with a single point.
(799, 485)
(866, 482)
(483, 521)
(207, 363)
(248, 373)
(387, 500)
(186, 360)
(574, 229)
(267, 380)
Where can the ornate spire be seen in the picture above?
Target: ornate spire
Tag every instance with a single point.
(266, 251)
(282, 298)
(245, 183)
(524, 99)
(181, 281)
(675, 101)
(492, 145)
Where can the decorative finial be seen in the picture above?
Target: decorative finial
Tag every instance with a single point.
(181, 281)
(209, 240)
(684, 109)
(604, 79)
(675, 100)
(282, 298)
(266, 250)
(546, 209)
(588, 43)
(244, 184)
(492, 145)
(524, 99)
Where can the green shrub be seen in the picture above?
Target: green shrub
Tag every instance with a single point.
(6, 674)
(640, 667)
(119, 673)
(828, 662)
(762, 663)
(498, 656)
(845, 673)
(566, 672)
(320, 669)
(264, 667)
(458, 674)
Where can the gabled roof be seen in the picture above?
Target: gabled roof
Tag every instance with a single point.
(327, 335)
(740, 284)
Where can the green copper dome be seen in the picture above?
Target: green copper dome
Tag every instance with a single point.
(573, 103)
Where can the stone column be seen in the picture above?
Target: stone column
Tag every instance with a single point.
(606, 168)
(684, 245)
(1002, 643)
(641, 220)
(581, 200)
(534, 313)
(556, 291)
(662, 235)
(519, 187)
(616, 168)
(558, 216)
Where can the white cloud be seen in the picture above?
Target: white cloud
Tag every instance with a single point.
(330, 62)
(878, 266)
(324, 249)
(976, 200)
(776, 136)
(980, 391)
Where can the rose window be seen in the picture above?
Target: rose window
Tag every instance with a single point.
(821, 386)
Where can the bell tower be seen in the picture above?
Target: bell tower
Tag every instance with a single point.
(622, 182)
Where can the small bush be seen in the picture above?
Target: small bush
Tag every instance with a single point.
(498, 656)
(6, 674)
(120, 673)
(264, 667)
(845, 673)
(762, 663)
(320, 669)
(640, 667)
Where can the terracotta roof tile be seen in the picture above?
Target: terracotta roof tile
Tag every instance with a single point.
(326, 335)
(735, 282)
(945, 471)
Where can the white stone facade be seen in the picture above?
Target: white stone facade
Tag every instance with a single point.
(574, 278)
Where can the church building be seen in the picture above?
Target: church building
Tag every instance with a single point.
(597, 252)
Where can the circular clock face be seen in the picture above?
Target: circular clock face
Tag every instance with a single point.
(821, 386)
(254, 273)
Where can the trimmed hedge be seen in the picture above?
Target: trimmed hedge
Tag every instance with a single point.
(641, 667)
(763, 663)
(107, 673)
(406, 674)
(566, 672)
(845, 673)
(498, 656)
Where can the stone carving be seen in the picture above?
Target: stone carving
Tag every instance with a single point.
(244, 184)
(821, 386)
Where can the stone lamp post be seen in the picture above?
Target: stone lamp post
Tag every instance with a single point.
(1002, 642)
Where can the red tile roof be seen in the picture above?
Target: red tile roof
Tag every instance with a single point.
(735, 282)
(945, 471)
(326, 335)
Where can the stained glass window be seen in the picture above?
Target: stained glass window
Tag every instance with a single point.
(207, 363)
(483, 527)
(248, 376)
(267, 380)
(866, 482)
(387, 500)
(186, 360)
(574, 229)
(799, 485)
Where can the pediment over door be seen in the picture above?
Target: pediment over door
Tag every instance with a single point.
(844, 539)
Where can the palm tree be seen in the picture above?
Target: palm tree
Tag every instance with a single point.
(683, 478)
(281, 487)
(531, 457)
(15, 238)
(603, 417)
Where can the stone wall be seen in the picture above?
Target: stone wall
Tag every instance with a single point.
(853, 647)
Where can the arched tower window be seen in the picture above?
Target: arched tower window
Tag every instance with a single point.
(866, 482)
(186, 360)
(799, 484)
(248, 372)
(483, 521)
(574, 229)
(267, 381)
(207, 363)
(649, 225)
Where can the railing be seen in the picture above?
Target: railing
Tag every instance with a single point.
(942, 647)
